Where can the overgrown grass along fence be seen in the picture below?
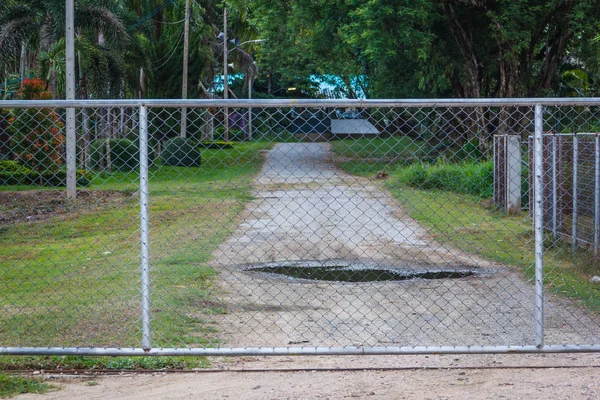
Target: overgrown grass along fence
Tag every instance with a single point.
(469, 178)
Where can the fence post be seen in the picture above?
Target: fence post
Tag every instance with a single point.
(596, 194)
(539, 225)
(554, 206)
(71, 136)
(144, 226)
(513, 174)
(574, 216)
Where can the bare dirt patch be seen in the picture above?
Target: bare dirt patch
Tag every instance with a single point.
(408, 377)
(24, 206)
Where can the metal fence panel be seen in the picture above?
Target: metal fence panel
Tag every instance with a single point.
(297, 227)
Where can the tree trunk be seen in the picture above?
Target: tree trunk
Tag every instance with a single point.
(269, 82)
(464, 41)
(471, 88)
(556, 46)
(122, 124)
(104, 136)
(23, 62)
(143, 85)
(86, 139)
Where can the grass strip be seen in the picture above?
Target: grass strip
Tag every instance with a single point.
(11, 386)
(49, 363)
(474, 178)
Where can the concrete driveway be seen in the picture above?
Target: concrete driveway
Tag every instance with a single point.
(307, 212)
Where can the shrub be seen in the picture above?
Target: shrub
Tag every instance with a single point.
(11, 173)
(124, 155)
(37, 137)
(12, 166)
(181, 152)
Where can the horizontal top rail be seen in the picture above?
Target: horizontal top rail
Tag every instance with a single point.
(243, 103)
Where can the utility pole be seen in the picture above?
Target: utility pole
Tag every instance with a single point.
(184, 84)
(225, 78)
(70, 95)
(250, 98)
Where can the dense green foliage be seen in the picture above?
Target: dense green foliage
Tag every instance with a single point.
(12, 173)
(371, 49)
(432, 48)
(382, 48)
(180, 152)
(11, 166)
(124, 155)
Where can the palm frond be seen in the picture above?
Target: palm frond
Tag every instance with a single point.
(14, 32)
(102, 20)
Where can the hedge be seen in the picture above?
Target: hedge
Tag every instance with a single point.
(49, 178)
(124, 154)
(181, 152)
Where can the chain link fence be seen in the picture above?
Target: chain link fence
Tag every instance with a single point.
(300, 227)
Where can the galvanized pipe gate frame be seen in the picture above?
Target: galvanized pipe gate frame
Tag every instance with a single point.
(148, 350)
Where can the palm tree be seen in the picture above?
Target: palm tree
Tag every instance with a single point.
(52, 67)
(37, 27)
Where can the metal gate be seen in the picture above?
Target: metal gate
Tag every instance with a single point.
(280, 227)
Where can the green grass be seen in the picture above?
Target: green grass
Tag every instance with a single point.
(368, 156)
(14, 385)
(50, 363)
(73, 280)
(468, 178)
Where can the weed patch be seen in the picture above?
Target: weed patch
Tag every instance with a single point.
(13, 385)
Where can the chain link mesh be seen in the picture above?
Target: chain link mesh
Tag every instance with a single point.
(299, 227)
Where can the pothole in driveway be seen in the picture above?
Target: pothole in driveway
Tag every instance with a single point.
(356, 273)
